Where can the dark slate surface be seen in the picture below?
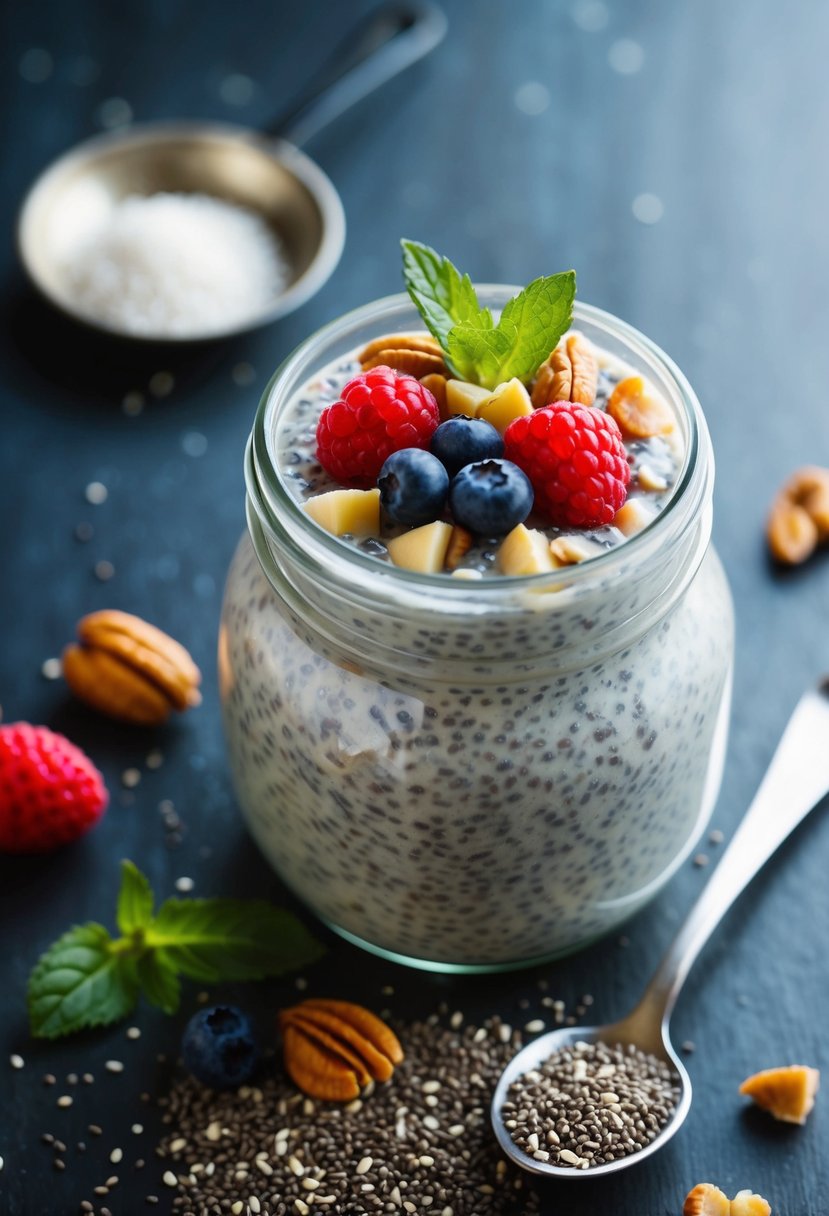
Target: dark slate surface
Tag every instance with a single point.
(726, 123)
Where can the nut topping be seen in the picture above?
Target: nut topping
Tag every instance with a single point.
(639, 414)
(333, 1048)
(570, 373)
(436, 385)
(128, 669)
(460, 542)
(706, 1200)
(799, 518)
(788, 1093)
(417, 355)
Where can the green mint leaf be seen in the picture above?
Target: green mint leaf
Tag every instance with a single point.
(135, 899)
(443, 297)
(228, 939)
(80, 981)
(159, 981)
(530, 326)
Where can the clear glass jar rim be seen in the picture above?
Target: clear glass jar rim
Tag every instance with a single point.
(271, 499)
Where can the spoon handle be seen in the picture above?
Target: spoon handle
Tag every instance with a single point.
(796, 780)
(387, 41)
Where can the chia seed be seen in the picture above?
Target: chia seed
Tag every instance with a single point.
(388, 1152)
(590, 1104)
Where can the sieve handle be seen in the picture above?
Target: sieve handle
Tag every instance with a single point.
(389, 40)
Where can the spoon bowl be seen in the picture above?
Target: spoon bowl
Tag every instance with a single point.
(796, 780)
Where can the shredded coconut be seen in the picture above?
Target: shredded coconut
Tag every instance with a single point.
(177, 265)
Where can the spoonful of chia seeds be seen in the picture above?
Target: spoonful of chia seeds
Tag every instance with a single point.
(592, 1100)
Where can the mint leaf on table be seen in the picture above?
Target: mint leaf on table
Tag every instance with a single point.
(476, 349)
(89, 978)
(231, 939)
(135, 899)
(80, 981)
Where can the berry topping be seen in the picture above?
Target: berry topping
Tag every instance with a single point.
(50, 791)
(490, 497)
(379, 412)
(462, 440)
(218, 1047)
(413, 486)
(576, 460)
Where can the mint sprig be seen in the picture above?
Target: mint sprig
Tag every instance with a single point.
(89, 978)
(476, 349)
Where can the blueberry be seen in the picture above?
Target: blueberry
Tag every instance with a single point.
(462, 440)
(413, 486)
(218, 1047)
(491, 497)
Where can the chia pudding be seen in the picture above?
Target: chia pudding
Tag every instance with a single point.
(476, 772)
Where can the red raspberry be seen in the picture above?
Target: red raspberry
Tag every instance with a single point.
(50, 791)
(576, 460)
(379, 412)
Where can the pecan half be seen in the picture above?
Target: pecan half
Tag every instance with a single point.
(333, 1048)
(638, 413)
(128, 669)
(799, 518)
(418, 355)
(570, 373)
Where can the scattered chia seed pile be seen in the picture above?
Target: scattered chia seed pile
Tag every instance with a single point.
(590, 1104)
(422, 1142)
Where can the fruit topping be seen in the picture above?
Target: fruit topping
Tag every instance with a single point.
(346, 512)
(635, 515)
(464, 398)
(423, 549)
(462, 440)
(50, 791)
(787, 1093)
(490, 497)
(413, 486)
(379, 412)
(638, 413)
(576, 460)
(570, 373)
(509, 400)
(218, 1047)
(525, 551)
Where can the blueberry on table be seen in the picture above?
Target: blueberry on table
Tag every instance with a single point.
(460, 441)
(218, 1047)
(413, 486)
(490, 497)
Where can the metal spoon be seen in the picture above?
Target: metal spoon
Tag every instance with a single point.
(796, 780)
(263, 171)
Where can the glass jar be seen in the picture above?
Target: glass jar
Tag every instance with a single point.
(477, 775)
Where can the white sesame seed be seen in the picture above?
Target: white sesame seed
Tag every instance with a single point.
(431, 1122)
(178, 1144)
(431, 1087)
(431, 1100)
(535, 1026)
(364, 1165)
(16, 1061)
(296, 1166)
(541, 1154)
(532, 1140)
(701, 860)
(237, 1207)
(114, 1066)
(253, 1203)
(214, 1131)
(570, 1157)
(96, 493)
(309, 1184)
(133, 1032)
(169, 1178)
(64, 1100)
(456, 1020)
(130, 777)
(2, 1163)
(266, 1169)
(457, 1129)
(301, 1207)
(427, 1160)
(609, 1098)
(137, 1129)
(504, 1032)
(184, 884)
(479, 1035)
(354, 1106)
(116, 1156)
(51, 669)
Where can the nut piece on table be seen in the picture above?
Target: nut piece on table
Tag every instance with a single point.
(787, 1093)
(417, 355)
(128, 669)
(799, 518)
(334, 1048)
(706, 1200)
(745, 1203)
(570, 373)
(639, 414)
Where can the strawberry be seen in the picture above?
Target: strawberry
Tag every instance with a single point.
(50, 791)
